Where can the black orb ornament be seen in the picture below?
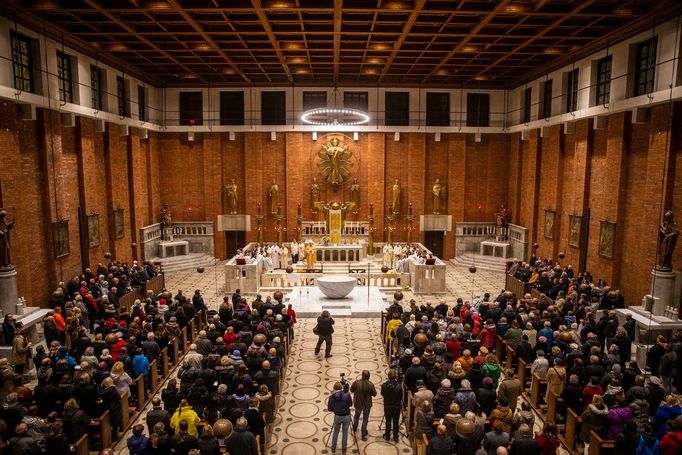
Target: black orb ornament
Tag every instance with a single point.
(289, 269)
(398, 296)
(200, 269)
(107, 255)
(536, 246)
(562, 255)
(472, 269)
(384, 269)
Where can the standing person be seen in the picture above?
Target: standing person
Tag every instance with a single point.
(363, 391)
(21, 351)
(392, 392)
(339, 403)
(324, 330)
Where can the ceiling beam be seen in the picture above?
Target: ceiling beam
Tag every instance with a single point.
(575, 10)
(271, 36)
(190, 20)
(93, 4)
(337, 37)
(419, 4)
(498, 8)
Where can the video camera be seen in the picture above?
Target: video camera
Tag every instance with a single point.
(344, 382)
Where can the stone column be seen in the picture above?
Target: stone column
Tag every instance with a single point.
(664, 288)
(8, 290)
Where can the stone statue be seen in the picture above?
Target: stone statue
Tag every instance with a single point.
(166, 220)
(667, 239)
(355, 195)
(314, 194)
(438, 192)
(396, 197)
(5, 260)
(502, 216)
(232, 198)
(273, 197)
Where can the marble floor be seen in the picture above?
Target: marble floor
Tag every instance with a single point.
(302, 424)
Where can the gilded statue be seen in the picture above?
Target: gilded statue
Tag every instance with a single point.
(334, 161)
(5, 260)
(355, 196)
(667, 239)
(166, 220)
(273, 197)
(438, 193)
(314, 194)
(232, 198)
(396, 197)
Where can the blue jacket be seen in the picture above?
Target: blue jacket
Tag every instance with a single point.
(140, 365)
(138, 445)
(339, 403)
(665, 413)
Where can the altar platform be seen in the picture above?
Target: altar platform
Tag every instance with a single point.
(341, 253)
(309, 302)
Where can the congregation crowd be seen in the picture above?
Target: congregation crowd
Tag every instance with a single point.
(466, 402)
(96, 350)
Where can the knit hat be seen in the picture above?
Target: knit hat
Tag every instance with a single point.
(236, 353)
(487, 381)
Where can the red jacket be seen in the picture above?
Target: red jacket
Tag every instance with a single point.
(546, 446)
(453, 347)
(588, 393)
(671, 443)
(116, 349)
(488, 337)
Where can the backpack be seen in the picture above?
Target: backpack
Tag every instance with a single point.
(648, 445)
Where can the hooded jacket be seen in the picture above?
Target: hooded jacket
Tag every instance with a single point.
(466, 399)
(665, 413)
(616, 420)
(593, 419)
(339, 403)
(441, 402)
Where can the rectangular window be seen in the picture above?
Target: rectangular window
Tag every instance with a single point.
(141, 103)
(527, 104)
(572, 90)
(397, 109)
(645, 67)
(273, 108)
(546, 102)
(437, 109)
(313, 100)
(97, 87)
(603, 80)
(356, 100)
(122, 97)
(22, 63)
(64, 77)
(191, 108)
(231, 108)
(478, 109)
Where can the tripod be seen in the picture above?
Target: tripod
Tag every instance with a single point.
(355, 438)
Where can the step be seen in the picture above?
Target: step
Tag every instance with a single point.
(189, 261)
(487, 263)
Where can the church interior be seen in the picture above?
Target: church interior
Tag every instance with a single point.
(514, 161)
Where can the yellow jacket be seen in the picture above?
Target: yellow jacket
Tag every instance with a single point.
(185, 413)
(392, 324)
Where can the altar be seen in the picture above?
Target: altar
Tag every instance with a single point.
(361, 302)
(341, 253)
(495, 249)
(173, 248)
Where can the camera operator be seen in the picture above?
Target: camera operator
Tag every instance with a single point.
(363, 391)
(392, 391)
(339, 403)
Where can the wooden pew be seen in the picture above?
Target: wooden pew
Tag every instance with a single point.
(192, 330)
(81, 447)
(383, 324)
(599, 446)
(571, 432)
(139, 388)
(553, 403)
(102, 426)
(164, 363)
(511, 355)
(537, 389)
(175, 347)
(523, 373)
(153, 377)
(410, 413)
(421, 445)
(183, 337)
(499, 349)
(126, 302)
(125, 410)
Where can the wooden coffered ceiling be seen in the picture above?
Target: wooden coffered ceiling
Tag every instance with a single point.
(491, 43)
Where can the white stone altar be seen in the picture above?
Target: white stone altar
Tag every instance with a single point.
(495, 249)
(341, 253)
(173, 248)
(362, 302)
(336, 286)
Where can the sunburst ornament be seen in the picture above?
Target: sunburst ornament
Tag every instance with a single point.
(335, 161)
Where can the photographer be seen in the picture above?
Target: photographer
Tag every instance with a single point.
(392, 391)
(363, 391)
(339, 403)
(324, 330)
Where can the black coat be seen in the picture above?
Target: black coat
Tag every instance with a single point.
(392, 391)
(325, 326)
(242, 442)
(208, 445)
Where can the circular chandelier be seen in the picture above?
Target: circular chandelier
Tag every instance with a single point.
(324, 116)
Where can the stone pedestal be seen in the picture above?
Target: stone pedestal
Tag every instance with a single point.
(8, 290)
(665, 291)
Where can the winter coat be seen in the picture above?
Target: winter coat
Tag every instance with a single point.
(339, 403)
(665, 413)
(510, 389)
(488, 336)
(466, 399)
(492, 370)
(392, 392)
(616, 420)
(363, 391)
(423, 424)
(640, 414)
(486, 399)
(188, 414)
(671, 443)
(593, 418)
(503, 415)
(441, 402)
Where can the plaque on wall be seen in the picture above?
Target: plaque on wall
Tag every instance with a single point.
(607, 237)
(119, 229)
(549, 224)
(60, 238)
(574, 226)
(93, 230)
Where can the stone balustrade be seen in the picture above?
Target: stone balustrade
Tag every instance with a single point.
(199, 235)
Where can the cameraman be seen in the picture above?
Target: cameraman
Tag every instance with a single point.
(392, 391)
(363, 391)
(339, 403)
